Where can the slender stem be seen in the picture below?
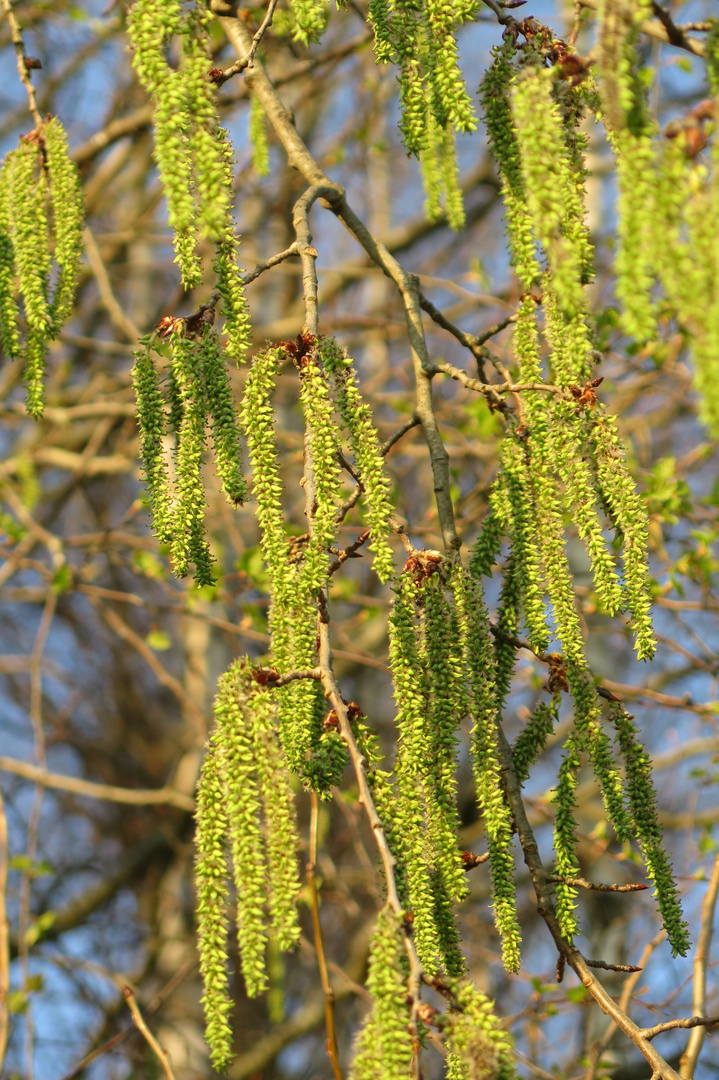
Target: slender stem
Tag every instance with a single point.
(4, 938)
(162, 1055)
(22, 67)
(690, 1057)
(91, 790)
(331, 1042)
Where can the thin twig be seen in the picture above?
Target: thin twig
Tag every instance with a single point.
(657, 29)
(247, 61)
(348, 552)
(109, 301)
(162, 1055)
(36, 720)
(4, 938)
(88, 789)
(22, 61)
(494, 388)
(331, 1042)
(582, 883)
(629, 968)
(628, 989)
(690, 1057)
(671, 1025)
(275, 260)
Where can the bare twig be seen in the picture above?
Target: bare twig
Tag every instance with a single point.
(413, 422)
(628, 989)
(88, 789)
(331, 1041)
(348, 552)
(612, 967)
(671, 1025)
(582, 883)
(275, 260)
(23, 65)
(4, 938)
(690, 1057)
(109, 301)
(162, 1055)
(247, 61)
(657, 29)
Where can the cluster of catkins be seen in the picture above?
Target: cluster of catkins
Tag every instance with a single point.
(192, 150)
(41, 222)
(667, 259)
(561, 458)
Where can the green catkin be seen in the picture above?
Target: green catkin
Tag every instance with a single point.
(591, 738)
(523, 539)
(573, 358)
(281, 823)
(357, 420)
(27, 213)
(480, 1048)
(494, 92)
(225, 426)
(151, 421)
(310, 19)
(488, 544)
(565, 838)
(413, 754)
(234, 714)
(444, 689)
(9, 333)
(473, 633)
(229, 275)
(628, 513)
(293, 611)
(643, 807)
(383, 1047)
(321, 447)
(212, 193)
(211, 874)
(151, 23)
(434, 103)
(550, 530)
(631, 130)
(258, 138)
(549, 181)
(188, 543)
(34, 373)
(532, 739)
(505, 654)
(567, 438)
(68, 219)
